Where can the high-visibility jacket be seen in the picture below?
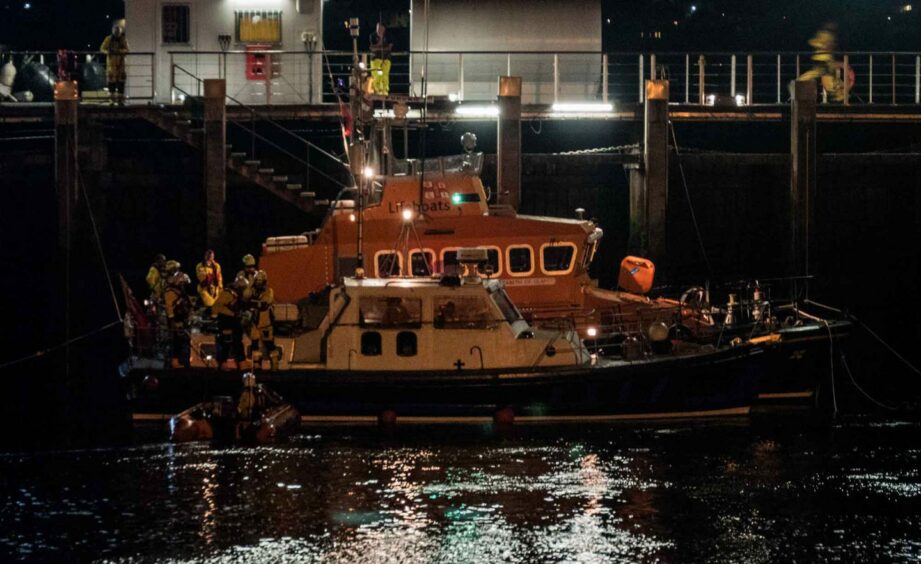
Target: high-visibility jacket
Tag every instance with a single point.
(115, 49)
(155, 282)
(210, 281)
(177, 306)
(226, 304)
(260, 301)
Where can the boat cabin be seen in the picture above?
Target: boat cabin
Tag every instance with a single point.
(415, 222)
(429, 325)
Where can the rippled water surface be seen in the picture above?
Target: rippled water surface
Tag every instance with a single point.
(730, 491)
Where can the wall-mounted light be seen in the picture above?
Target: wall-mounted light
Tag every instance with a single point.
(582, 107)
(477, 111)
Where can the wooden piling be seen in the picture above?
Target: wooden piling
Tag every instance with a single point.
(802, 176)
(508, 159)
(655, 166)
(215, 161)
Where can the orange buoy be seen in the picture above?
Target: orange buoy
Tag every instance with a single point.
(387, 418)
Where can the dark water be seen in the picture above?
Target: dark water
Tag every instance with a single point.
(732, 491)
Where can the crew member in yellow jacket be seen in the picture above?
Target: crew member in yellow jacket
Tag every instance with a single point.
(226, 309)
(210, 281)
(249, 269)
(156, 278)
(259, 298)
(115, 47)
(178, 310)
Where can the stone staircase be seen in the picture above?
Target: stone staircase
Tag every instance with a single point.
(181, 127)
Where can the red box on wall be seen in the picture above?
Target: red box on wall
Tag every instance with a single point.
(257, 64)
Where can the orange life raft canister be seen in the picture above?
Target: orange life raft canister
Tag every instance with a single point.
(636, 275)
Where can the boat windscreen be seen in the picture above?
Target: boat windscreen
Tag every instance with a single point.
(509, 311)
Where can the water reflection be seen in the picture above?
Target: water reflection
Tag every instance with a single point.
(595, 494)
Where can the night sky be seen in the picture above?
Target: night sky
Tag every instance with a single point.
(704, 25)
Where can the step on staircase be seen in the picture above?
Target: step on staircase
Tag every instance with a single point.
(179, 126)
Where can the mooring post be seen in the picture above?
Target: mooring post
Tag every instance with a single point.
(66, 101)
(802, 176)
(508, 158)
(66, 180)
(215, 161)
(655, 165)
(637, 242)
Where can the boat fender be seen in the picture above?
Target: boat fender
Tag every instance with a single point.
(387, 418)
(151, 383)
(657, 332)
(265, 433)
(679, 331)
(504, 416)
(632, 349)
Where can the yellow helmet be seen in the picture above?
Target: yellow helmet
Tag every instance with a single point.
(172, 265)
(249, 260)
(178, 279)
(261, 278)
(240, 282)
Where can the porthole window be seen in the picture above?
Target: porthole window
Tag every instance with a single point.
(406, 343)
(371, 343)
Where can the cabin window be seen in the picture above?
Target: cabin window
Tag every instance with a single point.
(383, 311)
(422, 263)
(520, 261)
(258, 26)
(461, 312)
(406, 343)
(371, 343)
(388, 264)
(493, 265)
(175, 23)
(449, 264)
(557, 259)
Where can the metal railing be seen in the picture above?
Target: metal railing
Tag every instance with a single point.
(314, 77)
(140, 68)
(742, 79)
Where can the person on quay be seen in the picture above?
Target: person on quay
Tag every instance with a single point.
(226, 309)
(259, 299)
(178, 311)
(210, 281)
(115, 47)
(380, 60)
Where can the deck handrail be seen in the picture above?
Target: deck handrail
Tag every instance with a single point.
(699, 77)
